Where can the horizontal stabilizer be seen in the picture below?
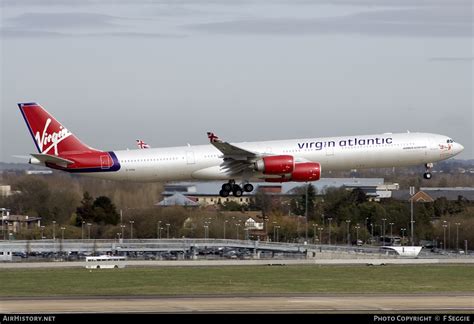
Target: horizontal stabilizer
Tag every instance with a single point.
(45, 158)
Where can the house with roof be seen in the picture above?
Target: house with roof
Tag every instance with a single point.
(418, 197)
(18, 223)
(450, 193)
(430, 194)
(177, 199)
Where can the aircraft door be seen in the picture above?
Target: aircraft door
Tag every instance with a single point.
(190, 158)
(105, 162)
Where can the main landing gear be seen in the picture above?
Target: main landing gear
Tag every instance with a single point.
(236, 190)
(427, 175)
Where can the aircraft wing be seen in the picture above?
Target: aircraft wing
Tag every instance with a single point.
(236, 159)
(229, 150)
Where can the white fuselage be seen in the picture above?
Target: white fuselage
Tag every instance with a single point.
(202, 162)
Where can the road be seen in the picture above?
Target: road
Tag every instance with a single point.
(266, 304)
(225, 262)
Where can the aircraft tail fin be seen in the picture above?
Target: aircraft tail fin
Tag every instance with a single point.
(49, 135)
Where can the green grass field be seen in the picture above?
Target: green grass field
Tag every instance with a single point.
(253, 280)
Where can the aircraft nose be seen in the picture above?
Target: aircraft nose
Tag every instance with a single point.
(457, 148)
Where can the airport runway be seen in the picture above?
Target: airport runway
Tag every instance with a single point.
(248, 304)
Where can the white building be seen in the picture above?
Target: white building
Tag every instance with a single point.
(251, 224)
(5, 190)
(6, 255)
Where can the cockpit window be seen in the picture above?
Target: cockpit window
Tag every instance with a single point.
(449, 141)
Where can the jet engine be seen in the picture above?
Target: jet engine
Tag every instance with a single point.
(302, 172)
(307, 171)
(279, 164)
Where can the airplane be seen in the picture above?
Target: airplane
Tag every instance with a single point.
(142, 145)
(298, 160)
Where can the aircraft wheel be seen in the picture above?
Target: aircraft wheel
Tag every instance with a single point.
(248, 187)
(227, 187)
(224, 193)
(237, 191)
(427, 175)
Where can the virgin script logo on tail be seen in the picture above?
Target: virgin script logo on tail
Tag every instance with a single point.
(51, 140)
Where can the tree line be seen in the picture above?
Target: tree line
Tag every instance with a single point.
(104, 209)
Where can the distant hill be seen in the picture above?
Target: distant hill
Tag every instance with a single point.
(20, 167)
(454, 165)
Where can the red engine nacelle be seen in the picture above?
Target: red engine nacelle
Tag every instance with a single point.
(280, 164)
(307, 171)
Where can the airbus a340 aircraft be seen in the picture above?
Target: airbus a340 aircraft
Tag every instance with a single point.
(299, 160)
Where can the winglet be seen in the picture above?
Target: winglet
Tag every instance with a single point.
(213, 138)
(229, 150)
(142, 145)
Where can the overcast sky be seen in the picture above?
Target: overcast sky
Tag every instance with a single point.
(168, 71)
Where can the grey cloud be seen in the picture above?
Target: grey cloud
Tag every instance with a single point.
(451, 59)
(61, 20)
(180, 11)
(72, 25)
(133, 34)
(439, 15)
(396, 3)
(432, 22)
(19, 3)
(17, 33)
(20, 33)
(76, 3)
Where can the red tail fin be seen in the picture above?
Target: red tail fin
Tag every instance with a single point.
(49, 135)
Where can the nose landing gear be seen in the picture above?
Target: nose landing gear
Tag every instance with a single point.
(427, 175)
